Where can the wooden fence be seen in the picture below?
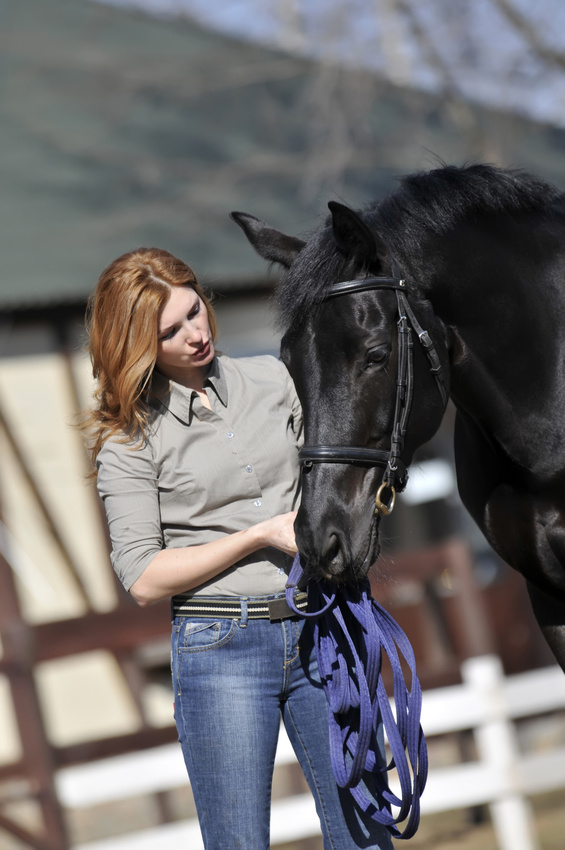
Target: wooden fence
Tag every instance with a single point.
(502, 777)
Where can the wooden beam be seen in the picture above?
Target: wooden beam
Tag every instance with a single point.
(38, 760)
(116, 631)
(87, 751)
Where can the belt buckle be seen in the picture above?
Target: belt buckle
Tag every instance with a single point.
(278, 609)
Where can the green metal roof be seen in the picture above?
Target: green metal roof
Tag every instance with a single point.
(119, 130)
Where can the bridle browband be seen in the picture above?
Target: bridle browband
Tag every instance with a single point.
(395, 475)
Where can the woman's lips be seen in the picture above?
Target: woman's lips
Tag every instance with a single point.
(203, 350)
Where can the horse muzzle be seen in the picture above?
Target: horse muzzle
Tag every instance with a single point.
(331, 552)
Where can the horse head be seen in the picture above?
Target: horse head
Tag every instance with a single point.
(344, 350)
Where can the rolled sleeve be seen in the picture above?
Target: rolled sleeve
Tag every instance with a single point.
(127, 484)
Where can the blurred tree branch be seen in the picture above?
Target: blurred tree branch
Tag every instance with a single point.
(531, 34)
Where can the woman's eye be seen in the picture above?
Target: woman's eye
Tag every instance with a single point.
(376, 357)
(191, 315)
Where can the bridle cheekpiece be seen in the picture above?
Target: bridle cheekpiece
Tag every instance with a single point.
(395, 475)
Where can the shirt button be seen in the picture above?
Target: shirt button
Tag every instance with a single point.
(249, 468)
(229, 435)
(257, 503)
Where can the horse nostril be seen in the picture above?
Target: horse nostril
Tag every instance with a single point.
(332, 551)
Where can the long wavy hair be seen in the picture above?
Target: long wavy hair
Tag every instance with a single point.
(122, 324)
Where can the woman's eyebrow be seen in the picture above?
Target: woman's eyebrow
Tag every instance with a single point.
(170, 327)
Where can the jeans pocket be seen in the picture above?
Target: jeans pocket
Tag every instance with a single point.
(190, 639)
(196, 635)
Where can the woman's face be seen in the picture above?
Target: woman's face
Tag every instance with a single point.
(184, 341)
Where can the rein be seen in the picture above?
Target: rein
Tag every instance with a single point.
(352, 634)
(395, 475)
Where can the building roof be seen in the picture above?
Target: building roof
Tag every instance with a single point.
(120, 130)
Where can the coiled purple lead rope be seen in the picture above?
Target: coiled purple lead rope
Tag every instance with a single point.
(352, 632)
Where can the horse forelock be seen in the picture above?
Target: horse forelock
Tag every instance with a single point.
(301, 289)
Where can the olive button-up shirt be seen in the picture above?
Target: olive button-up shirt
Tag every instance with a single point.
(201, 474)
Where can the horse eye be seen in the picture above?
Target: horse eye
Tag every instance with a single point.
(376, 357)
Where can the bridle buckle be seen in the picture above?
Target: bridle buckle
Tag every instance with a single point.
(381, 507)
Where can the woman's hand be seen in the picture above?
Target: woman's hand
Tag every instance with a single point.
(175, 570)
(279, 532)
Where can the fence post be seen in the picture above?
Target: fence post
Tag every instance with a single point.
(497, 746)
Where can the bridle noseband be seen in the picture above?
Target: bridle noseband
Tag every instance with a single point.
(395, 475)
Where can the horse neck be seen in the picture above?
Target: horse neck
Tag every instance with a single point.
(506, 359)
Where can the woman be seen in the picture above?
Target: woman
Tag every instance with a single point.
(197, 460)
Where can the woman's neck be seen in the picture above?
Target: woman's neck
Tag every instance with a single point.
(192, 379)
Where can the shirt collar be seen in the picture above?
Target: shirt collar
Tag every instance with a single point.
(216, 378)
(179, 400)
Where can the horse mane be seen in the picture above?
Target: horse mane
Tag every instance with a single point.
(436, 201)
(427, 204)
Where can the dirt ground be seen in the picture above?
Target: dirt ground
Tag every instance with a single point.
(466, 830)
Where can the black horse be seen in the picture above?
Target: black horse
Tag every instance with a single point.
(475, 257)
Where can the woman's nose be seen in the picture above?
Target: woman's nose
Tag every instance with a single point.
(193, 333)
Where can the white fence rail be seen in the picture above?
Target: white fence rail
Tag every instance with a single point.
(502, 777)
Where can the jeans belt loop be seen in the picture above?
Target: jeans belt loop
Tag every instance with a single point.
(244, 618)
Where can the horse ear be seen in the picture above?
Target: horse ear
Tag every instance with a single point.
(352, 235)
(269, 243)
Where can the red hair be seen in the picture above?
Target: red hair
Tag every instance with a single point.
(122, 321)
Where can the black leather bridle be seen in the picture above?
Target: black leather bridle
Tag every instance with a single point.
(395, 475)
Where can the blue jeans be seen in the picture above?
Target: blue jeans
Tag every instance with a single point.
(232, 681)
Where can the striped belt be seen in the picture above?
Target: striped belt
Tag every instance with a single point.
(225, 606)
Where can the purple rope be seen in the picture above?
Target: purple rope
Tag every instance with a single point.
(352, 634)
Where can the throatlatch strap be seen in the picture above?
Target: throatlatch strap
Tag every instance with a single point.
(352, 633)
